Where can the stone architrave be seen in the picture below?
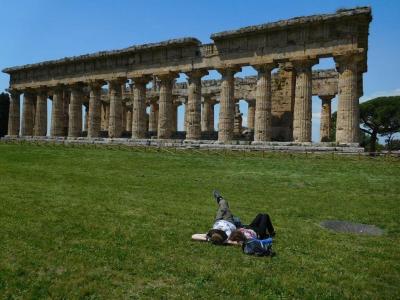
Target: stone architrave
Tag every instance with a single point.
(139, 107)
(14, 111)
(194, 104)
(326, 119)
(165, 105)
(57, 112)
(153, 117)
(251, 112)
(41, 113)
(95, 109)
(348, 119)
(27, 114)
(115, 119)
(75, 111)
(303, 100)
(227, 105)
(263, 115)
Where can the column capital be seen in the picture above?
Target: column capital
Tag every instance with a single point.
(116, 83)
(167, 76)
(14, 92)
(57, 88)
(144, 79)
(76, 86)
(301, 64)
(229, 70)
(196, 73)
(42, 90)
(95, 84)
(265, 67)
(350, 60)
(326, 97)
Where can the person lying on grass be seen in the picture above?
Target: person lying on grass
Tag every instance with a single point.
(224, 225)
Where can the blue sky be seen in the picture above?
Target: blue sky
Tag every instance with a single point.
(34, 31)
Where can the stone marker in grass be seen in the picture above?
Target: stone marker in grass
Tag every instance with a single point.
(349, 227)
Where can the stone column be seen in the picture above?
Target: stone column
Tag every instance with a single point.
(237, 128)
(41, 113)
(165, 106)
(251, 111)
(95, 109)
(185, 117)
(27, 114)
(115, 121)
(206, 115)
(153, 117)
(13, 115)
(66, 100)
(325, 123)
(303, 100)
(212, 123)
(107, 120)
(57, 112)
(347, 122)
(227, 105)
(194, 104)
(123, 115)
(139, 107)
(263, 115)
(128, 126)
(75, 111)
(174, 117)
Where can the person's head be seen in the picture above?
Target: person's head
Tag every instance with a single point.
(217, 238)
(237, 236)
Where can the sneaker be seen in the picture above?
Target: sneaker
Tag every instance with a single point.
(217, 195)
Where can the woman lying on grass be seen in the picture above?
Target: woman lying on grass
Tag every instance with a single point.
(225, 228)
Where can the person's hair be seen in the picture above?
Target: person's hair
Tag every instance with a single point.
(237, 236)
(217, 238)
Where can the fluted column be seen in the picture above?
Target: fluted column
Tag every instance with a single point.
(165, 106)
(194, 104)
(41, 113)
(115, 121)
(206, 115)
(347, 122)
(27, 114)
(326, 120)
(66, 101)
(75, 111)
(128, 126)
(185, 117)
(94, 109)
(227, 105)
(211, 121)
(153, 117)
(303, 100)
(174, 116)
(237, 128)
(251, 111)
(57, 112)
(263, 116)
(13, 115)
(139, 107)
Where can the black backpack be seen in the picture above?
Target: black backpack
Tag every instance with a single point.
(257, 248)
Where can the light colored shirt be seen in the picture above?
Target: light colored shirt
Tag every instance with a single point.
(225, 226)
(248, 233)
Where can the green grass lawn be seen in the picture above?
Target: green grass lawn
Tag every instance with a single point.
(79, 222)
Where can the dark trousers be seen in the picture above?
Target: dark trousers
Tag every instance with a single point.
(262, 225)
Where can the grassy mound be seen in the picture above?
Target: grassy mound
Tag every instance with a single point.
(116, 223)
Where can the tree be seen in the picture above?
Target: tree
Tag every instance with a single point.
(4, 107)
(380, 116)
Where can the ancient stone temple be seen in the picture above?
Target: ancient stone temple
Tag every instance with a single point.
(132, 93)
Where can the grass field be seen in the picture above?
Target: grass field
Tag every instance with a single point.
(116, 224)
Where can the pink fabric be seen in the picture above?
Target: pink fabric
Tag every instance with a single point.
(248, 233)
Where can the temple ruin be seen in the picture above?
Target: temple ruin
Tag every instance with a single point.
(132, 93)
